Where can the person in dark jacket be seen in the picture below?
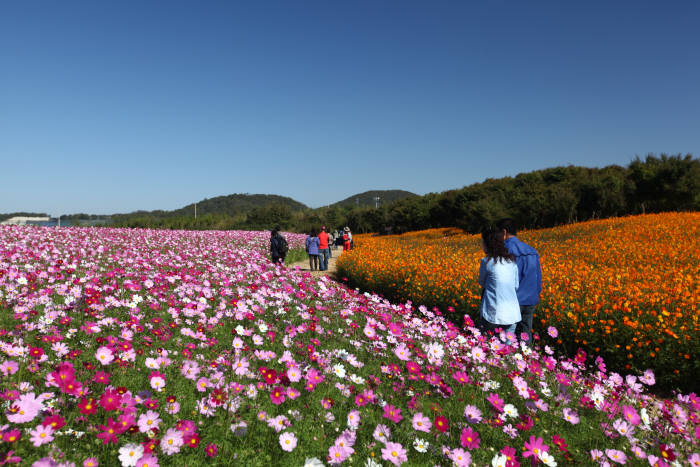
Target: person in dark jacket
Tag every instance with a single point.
(312, 246)
(529, 273)
(277, 250)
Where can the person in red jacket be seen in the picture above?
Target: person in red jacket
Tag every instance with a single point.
(323, 249)
(347, 238)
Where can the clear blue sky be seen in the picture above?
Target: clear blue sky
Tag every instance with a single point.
(114, 106)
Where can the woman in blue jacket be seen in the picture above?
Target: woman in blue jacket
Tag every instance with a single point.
(498, 275)
(312, 244)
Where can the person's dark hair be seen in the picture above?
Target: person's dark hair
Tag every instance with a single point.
(495, 245)
(273, 233)
(508, 225)
(313, 233)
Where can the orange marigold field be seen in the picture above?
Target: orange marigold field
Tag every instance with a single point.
(624, 288)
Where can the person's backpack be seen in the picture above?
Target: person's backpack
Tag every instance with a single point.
(282, 246)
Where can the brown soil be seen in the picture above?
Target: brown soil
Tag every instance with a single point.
(304, 265)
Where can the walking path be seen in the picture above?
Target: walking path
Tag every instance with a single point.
(304, 265)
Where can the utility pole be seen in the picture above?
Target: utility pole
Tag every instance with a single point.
(376, 202)
(59, 220)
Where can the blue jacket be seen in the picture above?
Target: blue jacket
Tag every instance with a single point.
(312, 244)
(529, 270)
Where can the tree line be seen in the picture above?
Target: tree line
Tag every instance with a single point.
(538, 199)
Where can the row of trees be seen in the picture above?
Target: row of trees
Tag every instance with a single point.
(542, 198)
(546, 198)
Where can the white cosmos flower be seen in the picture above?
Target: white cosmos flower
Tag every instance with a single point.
(313, 462)
(339, 370)
(510, 410)
(547, 459)
(129, 454)
(420, 445)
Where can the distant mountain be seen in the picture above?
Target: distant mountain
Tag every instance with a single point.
(231, 205)
(368, 198)
(239, 203)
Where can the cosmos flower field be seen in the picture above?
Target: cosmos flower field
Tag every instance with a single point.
(146, 348)
(626, 288)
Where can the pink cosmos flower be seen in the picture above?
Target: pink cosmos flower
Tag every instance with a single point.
(472, 414)
(631, 415)
(104, 355)
(534, 447)
(394, 453)
(91, 462)
(148, 421)
(25, 409)
(441, 424)
(381, 433)
(470, 438)
(278, 395)
(413, 367)
(402, 352)
(12, 436)
(109, 432)
(288, 441)
(461, 377)
(496, 401)
(570, 416)
(337, 454)
(552, 331)
(616, 456)
(41, 435)
(421, 423)
(294, 374)
(392, 413)
(9, 367)
(353, 419)
(212, 450)
(148, 460)
(172, 441)
(460, 457)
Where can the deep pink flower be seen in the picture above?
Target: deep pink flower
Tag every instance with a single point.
(392, 413)
(110, 400)
(470, 438)
(109, 432)
(278, 395)
(496, 401)
(631, 415)
(212, 450)
(441, 424)
(534, 447)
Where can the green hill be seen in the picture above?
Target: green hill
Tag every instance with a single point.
(367, 199)
(230, 205)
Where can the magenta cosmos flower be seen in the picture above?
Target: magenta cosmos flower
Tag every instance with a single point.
(392, 413)
(470, 438)
(534, 447)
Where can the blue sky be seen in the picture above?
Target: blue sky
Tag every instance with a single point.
(116, 106)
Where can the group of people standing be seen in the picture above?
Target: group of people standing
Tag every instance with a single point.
(511, 277)
(318, 246)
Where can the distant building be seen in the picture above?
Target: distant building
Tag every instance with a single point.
(20, 220)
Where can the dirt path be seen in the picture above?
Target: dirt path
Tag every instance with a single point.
(304, 265)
